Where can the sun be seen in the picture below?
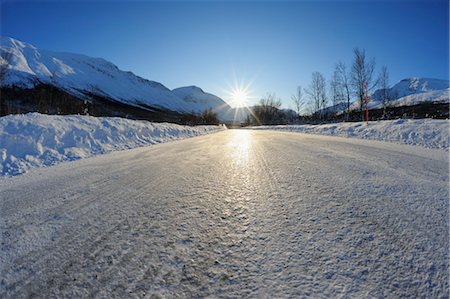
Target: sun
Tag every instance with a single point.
(239, 97)
(239, 93)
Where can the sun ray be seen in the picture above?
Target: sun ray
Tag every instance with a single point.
(239, 94)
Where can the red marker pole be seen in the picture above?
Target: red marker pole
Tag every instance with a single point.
(367, 103)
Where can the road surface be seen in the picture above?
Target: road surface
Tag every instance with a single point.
(237, 213)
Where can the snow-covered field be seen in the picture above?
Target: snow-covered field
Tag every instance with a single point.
(430, 133)
(34, 140)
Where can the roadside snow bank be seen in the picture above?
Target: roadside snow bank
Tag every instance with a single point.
(430, 133)
(34, 140)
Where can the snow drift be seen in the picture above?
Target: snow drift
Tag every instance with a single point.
(33, 140)
(428, 133)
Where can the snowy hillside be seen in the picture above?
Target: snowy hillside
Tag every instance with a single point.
(412, 86)
(199, 100)
(80, 74)
(433, 96)
(430, 133)
(32, 140)
(411, 91)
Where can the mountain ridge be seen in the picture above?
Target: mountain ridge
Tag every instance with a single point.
(80, 74)
(411, 85)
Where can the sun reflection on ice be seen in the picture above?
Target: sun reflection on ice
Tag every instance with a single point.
(240, 145)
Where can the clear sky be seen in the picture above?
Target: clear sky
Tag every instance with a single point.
(273, 45)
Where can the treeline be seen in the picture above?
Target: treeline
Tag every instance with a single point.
(207, 117)
(47, 99)
(330, 100)
(42, 98)
(268, 112)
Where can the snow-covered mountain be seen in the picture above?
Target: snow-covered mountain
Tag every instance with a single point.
(432, 96)
(411, 86)
(197, 98)
(26, 66)
(411, 91)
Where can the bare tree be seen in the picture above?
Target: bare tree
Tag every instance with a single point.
(267, 111)
(298, 101)
(335, 91)
(209, 117)
(384, 86)
(362, 74)
(344, 84)
(316, 92)
(309, 108)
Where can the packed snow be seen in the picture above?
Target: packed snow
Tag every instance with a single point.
(235, 214)
(34, 140)
(430, 133)
(76, 73)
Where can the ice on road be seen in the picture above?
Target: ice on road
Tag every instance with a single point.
(238, 213)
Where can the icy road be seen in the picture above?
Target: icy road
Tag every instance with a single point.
(237, 213)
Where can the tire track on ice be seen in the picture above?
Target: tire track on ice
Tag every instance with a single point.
(69, 242)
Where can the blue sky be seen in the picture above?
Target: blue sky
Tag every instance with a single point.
(273, 46)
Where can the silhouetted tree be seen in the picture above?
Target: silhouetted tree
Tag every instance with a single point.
(209, 117)
(268, 110)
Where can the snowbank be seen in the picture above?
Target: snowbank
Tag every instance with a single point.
(33, 140)
(430, 133)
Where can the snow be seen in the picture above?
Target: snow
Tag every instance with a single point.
(430, 133)
(74, 73)
(35, 140)
(413, 85)
(435, 96)
(199, 101)
(432, 96)
(235, 214)
(197, 97)
(411, 91)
